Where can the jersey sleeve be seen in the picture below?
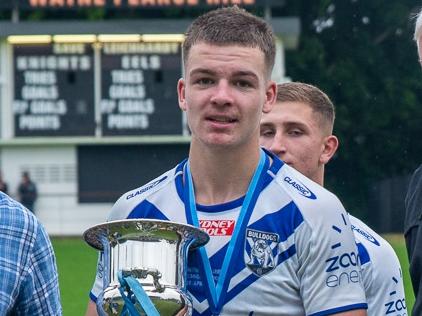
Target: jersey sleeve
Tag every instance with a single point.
(330, 279)
(98, 282)
(381, 271)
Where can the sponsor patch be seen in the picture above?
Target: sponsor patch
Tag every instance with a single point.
(145, 188)
(300, 188)
(366, 235)
(261, 251)
(222, 227)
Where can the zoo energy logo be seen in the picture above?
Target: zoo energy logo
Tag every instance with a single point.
(343, 269)
(261, 251)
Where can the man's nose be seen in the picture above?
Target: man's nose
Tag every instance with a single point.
(222, 94)
(278, 146)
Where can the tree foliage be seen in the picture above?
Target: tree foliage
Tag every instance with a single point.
(363, 55)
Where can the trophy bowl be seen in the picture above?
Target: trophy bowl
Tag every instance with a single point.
(152, 252)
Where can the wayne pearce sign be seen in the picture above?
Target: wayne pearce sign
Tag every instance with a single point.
(127, 4)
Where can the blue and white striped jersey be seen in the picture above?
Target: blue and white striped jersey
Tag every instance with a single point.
(296, 255)
(381, 272)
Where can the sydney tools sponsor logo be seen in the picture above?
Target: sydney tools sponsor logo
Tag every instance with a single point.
(300, 187)
(221, 227)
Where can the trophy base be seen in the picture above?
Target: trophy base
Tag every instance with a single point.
(170, 302)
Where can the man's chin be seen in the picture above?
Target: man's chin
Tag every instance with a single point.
(220, 141)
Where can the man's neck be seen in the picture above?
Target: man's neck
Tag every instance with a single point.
(220, 176)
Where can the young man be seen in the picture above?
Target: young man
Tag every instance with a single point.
(275, 257)
(299, 131)
(28, 274)
(413, 206)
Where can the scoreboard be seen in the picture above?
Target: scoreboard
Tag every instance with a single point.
(53, 91)
(96, 89)
(138, 89)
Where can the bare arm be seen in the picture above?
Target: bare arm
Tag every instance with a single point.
(91, 309)
(358, 312)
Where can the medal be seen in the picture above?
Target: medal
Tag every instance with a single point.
(216, 293)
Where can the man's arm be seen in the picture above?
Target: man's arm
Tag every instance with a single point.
(327, 256)
(39, 291)
(91, 309)
(358, 312)
(413, 235)
(413, 243)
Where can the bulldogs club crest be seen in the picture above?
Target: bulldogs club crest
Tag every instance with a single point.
(261, 251)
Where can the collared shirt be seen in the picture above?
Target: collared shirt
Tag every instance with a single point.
(28, 273)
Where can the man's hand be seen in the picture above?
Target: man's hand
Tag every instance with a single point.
(183, 311)
(91, 309)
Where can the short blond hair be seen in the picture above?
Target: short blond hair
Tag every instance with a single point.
(317, 100)
(232, 26)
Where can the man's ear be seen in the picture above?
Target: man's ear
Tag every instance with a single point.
(419, 44)
(271, 95)
(330, 146)
(181, 94)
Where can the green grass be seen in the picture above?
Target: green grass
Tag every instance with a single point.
(76, 263)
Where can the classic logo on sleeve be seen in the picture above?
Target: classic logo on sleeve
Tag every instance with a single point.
(145, 188)
(300, 188)
(261, 251)
(366, 235)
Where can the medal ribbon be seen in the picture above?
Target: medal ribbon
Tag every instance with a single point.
(141, 296)
(216, 293)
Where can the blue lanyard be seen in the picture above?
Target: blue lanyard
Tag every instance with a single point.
(216, 293)
(143, 299)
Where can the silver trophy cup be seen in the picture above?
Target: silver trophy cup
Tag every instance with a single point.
(152, 252)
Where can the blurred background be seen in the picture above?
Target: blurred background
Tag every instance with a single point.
(88, 105)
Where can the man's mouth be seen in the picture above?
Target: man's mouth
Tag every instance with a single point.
(221, 119)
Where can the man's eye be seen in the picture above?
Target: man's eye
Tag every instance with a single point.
(267, 133)
(243, 84)
(295, 132)
(204, 81)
